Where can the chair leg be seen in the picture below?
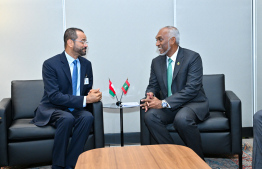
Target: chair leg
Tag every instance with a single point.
(240, 160)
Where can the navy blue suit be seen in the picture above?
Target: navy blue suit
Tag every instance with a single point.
(257, 141)
(53, 108)
(188, 102)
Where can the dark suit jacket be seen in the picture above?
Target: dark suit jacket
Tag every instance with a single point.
(187, 88)
(58, 87)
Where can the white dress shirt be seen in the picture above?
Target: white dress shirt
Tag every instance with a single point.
(70, 60)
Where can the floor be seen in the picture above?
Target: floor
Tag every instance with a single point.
(249, 140)
(43, 166)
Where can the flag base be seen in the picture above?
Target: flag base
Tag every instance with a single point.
(118, 103)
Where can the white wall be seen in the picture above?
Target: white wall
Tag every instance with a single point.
(259, 53)
(122, 43)
(221, 32)
(31, 31)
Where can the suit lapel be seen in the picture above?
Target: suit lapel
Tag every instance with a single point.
(179, 61)
(164, 70)
(82, 73)
(65, 67)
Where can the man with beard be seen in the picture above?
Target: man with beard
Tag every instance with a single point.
(68, 81)
(175, 92)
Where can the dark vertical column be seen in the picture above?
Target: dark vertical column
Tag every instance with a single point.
(121, 126)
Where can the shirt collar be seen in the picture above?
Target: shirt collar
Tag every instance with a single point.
(69, 58)
(174, 56)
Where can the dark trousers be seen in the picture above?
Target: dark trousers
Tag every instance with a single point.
(257, 141)
(184, 120)
(78, 121)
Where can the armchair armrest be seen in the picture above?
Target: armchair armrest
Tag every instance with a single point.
(234, 114)
(98, 124)
(144, 133)
(5, 122)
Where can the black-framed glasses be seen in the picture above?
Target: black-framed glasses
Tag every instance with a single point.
(83, 42)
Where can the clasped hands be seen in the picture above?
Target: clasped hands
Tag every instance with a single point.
(151, 102)
(94, 95)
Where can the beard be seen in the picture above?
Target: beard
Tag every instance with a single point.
(80, 51)
(164, 53)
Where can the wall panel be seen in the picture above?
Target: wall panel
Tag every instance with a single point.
(31, 31)
(259, 53)
(220, 30)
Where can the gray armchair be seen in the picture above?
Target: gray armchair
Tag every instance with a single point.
(23, 143)
(221, 132)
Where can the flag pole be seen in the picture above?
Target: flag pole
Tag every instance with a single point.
(121, 96)
(117, 99)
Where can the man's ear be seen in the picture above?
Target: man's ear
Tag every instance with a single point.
(173, 40)
(70, 43)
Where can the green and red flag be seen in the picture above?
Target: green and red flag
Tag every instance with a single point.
(125, 86)
(112, 91)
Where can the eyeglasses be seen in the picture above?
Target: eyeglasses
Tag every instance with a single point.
(83, 42)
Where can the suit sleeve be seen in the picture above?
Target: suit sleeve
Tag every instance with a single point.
(51, 85)
(193, 84)
(153, 85)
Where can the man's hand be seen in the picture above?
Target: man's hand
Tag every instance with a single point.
(149, 95)
(94, 95)
(151, 102)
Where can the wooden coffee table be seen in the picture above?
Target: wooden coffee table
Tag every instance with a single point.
(165, 156)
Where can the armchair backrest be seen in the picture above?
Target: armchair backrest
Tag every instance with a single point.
(214, 86)
(26, 96)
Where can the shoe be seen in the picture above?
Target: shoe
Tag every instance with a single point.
(57, 167)
(68, 167)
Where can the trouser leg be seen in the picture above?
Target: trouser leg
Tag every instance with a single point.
(83, 125)
(185, 123)
(156, 121)
(63, 121)
(257, 141)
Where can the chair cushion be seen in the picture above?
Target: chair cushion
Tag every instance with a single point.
(217, 121)
(214, 86)
(23, 129)
(26, 96)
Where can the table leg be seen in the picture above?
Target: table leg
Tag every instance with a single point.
(121, 126)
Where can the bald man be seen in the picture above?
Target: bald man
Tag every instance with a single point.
(175, 92)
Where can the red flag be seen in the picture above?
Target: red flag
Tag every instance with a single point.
(125, 86)
(111, 89)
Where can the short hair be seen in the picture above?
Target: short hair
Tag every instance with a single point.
(173, 32)
(70, 33)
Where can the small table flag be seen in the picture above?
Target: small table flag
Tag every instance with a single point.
(111, 89)
(125, 86)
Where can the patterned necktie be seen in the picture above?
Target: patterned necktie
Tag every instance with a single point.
(169, 77)
(74, 80)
